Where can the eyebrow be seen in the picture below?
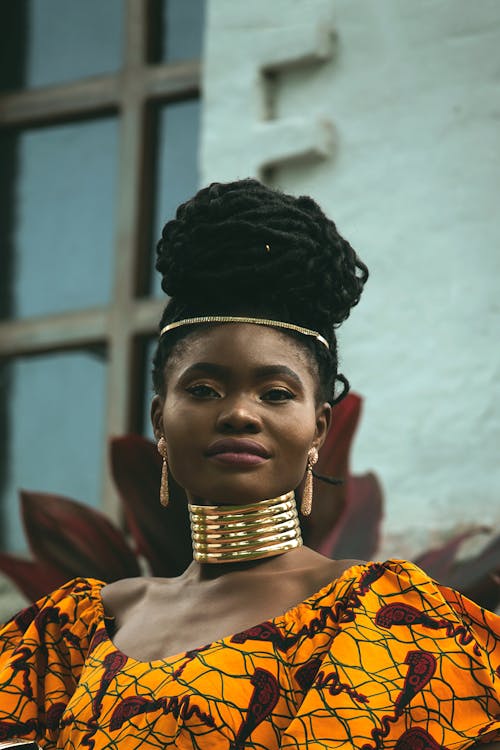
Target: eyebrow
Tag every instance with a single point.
(264, 371)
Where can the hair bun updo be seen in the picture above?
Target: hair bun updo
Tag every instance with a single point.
(244, 244)
(241, 248)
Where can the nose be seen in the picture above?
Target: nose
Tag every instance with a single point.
(238, 415)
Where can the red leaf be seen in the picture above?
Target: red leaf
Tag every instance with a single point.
(161, 534)
(334, 454)
(356, 534)
(33, 578)
(478, 577)
(438, 562)
(75, 539)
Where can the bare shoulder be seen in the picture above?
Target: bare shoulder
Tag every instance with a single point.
(123, 594)
(338, 567)
(343, 565)
(325, 570)
(121, 597)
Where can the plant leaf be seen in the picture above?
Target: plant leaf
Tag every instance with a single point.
(334, 455)
(161, 534)
(478, 577)
(32, 578)
(75, 539)
(356, 533)
(438, 562)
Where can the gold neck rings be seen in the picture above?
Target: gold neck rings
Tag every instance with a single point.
(230, 533)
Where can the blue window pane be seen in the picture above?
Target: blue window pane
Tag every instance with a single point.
(183, 25)
(177, 164)
(54, 432)
(64, 218)
(71, 39)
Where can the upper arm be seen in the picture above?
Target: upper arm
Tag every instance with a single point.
(42, 652)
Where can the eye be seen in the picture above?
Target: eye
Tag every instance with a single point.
(203, 391)
(278, 394)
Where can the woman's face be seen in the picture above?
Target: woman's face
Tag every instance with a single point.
(239, 414)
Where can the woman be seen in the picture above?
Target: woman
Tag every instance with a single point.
(261, 643)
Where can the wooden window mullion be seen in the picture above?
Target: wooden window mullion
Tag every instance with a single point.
(121, 361)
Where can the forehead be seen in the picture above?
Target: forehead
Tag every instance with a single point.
(241, 346)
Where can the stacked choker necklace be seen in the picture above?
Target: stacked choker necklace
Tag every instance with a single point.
(230, 533)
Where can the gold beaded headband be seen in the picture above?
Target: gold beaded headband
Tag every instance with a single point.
(238, 319)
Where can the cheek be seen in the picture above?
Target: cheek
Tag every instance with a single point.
(296, 436)
(290, 463)
(179, 431)
(179, 420)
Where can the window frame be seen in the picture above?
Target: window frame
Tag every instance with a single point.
(131, 94)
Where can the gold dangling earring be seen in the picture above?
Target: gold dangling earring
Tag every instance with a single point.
(164, 493)
(307, 495)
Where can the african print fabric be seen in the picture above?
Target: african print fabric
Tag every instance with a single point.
(383, 657)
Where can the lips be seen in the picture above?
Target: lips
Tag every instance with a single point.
(237, 445)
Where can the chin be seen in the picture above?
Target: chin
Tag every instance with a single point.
(235, 494)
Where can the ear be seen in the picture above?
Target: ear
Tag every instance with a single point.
(323, 422)
(157, 416)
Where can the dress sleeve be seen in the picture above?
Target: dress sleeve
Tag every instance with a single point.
(413, 666)
(42, 652)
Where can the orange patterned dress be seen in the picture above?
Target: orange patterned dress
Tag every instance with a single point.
(383, 657)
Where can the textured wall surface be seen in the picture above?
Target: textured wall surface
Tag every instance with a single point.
(393, 125)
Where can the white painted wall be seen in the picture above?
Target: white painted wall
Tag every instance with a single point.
(412, 94)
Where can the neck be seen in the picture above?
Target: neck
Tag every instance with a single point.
(232, 533)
